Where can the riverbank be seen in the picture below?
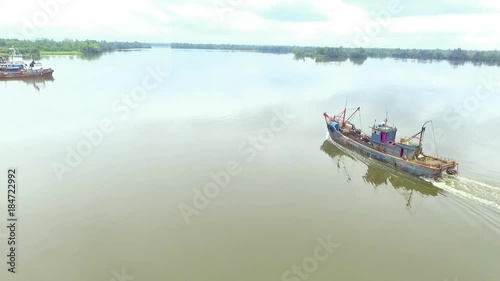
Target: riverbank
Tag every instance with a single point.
(36, 48)
(49, 53)
(55, 53)
(61, 53)
(359, 55)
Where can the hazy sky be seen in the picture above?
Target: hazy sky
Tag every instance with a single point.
(472, 24)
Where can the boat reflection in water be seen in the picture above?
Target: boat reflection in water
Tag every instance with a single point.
(376, 174)
(37, 82)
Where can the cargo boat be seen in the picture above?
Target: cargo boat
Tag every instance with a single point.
(35, 70)
(382, 146)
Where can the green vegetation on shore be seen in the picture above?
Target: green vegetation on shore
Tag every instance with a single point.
(39, 47)
(359, 55)
(455, 56)
(49, 53)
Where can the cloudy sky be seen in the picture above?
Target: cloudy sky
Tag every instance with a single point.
(471, 24)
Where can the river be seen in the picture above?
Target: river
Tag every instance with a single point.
(209, 165)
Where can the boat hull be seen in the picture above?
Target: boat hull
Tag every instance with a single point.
(26, 74)
(398, 163)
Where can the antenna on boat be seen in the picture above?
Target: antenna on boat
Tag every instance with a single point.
(386, 114)
(345, 109)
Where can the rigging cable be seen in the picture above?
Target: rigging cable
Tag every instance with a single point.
(361, 125)
(434, 136)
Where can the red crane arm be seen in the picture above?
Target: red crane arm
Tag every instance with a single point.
(353, 114)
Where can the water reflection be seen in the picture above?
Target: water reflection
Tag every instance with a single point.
(90, 57)
(358, 61)
(456, 63)
(85, 57)
(355, 61)
(37, 82)
(376, 175)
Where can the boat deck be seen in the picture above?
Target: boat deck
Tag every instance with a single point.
(429, 161)
(436, 162)
(432, 161)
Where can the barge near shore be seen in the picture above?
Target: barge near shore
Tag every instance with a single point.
(27, 73)
(382, 146)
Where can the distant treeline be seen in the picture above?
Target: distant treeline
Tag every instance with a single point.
(358, 55)
(456, 55)
(89, 47)
(229, 47)
(326, 54)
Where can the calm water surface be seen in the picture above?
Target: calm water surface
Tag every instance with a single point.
(119, 209)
